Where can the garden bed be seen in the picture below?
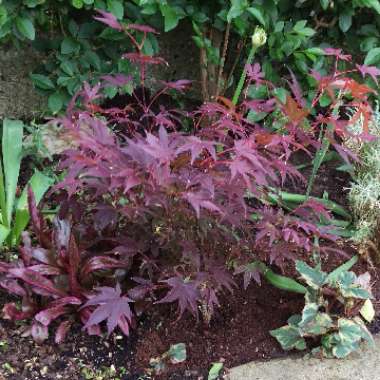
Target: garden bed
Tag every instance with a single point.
(198, 233)
(238, 334)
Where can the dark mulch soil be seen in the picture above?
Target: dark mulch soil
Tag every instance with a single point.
(237, 334)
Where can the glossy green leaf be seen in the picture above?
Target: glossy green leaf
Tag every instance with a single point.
(237, 9)
(69, 46)
(42, 81)
(3, 15)
(4, 233)
(374, 4)
(55, 102)
(171, 17)
(2, 197)
(40, 183)
(256, 12)
(25, 27)
(372, 57)
(345, 21)
(116, 7)
(325, 4)
(12, 154)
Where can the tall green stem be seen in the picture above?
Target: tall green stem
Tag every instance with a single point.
(243, 76)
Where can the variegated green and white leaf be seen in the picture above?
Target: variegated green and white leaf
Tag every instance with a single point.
(289, 337)
(314, 277)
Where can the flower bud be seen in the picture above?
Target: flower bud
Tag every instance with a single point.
(259, 38)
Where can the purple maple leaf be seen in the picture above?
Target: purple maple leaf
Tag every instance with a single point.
(372, 71)
(144, 59)
(338, 53)
(108, 19)
(183, 291)
(254, 73)
(179, 85)
(250, 271)
(117, 80)
(296, 89)
(198, 200)
(142, 28)
(196, 147)
(113, 307)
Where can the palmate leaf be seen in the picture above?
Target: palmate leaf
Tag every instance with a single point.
(183, 291)
(112, 307)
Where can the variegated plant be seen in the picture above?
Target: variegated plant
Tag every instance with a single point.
(336, 308)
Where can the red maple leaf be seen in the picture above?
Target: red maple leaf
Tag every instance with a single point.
(293, 111)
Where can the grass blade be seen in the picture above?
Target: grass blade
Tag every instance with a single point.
(317, 162)
(293, 200)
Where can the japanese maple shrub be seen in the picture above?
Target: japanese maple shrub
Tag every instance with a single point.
(156, 215)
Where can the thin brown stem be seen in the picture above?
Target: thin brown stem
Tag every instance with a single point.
(223, 59)
(204, 82)
(233, 68)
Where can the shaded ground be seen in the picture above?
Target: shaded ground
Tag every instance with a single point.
(237, 335)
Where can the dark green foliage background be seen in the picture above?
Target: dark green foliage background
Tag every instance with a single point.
(81, 49)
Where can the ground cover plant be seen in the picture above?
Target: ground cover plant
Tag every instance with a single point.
(153, 214)
(333, 304)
